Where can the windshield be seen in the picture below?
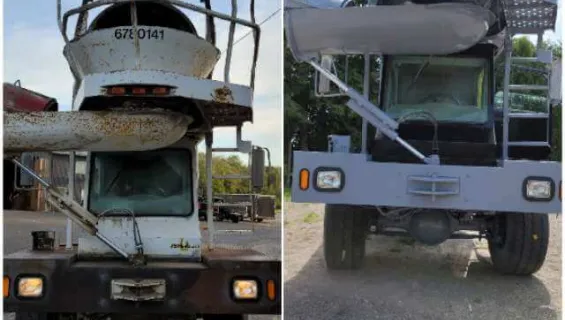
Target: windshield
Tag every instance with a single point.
(452, 89)
(147, 183)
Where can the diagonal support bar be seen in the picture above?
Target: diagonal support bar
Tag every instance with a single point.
(375, 116)
(72, 210)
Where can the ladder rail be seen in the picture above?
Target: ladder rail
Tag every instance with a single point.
(508, 116)
(506, 97)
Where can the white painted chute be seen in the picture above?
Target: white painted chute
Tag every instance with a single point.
(92, 130)
(442, 28)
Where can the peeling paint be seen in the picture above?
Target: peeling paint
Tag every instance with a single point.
(92, 130)
(223, 95)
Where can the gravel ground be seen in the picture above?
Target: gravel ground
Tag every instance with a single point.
(265, 238)
(405, 281)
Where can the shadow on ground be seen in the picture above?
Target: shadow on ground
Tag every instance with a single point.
(396, 285)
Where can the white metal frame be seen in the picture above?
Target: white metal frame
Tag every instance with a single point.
(62, 20)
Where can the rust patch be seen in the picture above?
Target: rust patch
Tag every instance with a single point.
(111, 130)
(223, 95)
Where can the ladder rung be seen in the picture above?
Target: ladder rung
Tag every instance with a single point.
(527, 87)
(526, 60)
(234, 176)
(529, 115)
(225, 149)
(234, 205)
(528, 144)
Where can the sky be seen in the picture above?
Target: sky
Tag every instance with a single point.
(33, 49)
(33, 54)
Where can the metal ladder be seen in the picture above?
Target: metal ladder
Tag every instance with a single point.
(527, 17)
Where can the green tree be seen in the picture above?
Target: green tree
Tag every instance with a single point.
(231, 165)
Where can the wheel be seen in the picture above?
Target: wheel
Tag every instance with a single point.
(234, 218)
(345, 230)
(519, 242)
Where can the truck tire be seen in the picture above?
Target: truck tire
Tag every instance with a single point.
(345, 231)
(522, 243)
(234, 218)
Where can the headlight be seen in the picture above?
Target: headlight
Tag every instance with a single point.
(538, 189)
(30, 287)
(329, 179)
(245, 289)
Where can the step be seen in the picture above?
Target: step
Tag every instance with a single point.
(531, 69)
(528, 144)
(528, 115)
(524, 87)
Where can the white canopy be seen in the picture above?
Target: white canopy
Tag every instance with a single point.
(399, 29)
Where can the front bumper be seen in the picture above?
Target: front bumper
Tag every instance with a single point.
(470, 188)
(191, 288)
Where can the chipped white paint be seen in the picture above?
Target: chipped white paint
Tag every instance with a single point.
(188, 87)
(158, 234)
(92, 131)
(100, 51)
(400, 29)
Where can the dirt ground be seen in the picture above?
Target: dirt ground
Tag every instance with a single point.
(401, 280)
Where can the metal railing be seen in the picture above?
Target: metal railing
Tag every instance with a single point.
(82, 11)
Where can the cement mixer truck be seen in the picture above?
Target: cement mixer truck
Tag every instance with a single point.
(143, 99)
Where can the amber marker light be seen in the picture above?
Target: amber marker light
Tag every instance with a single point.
(138, 91)
(117, 91)
(304, 179)
(6, 287)
(271, 292)
(160, 91)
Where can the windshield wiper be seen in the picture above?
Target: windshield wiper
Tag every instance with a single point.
(111, 184)
(419, 73)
